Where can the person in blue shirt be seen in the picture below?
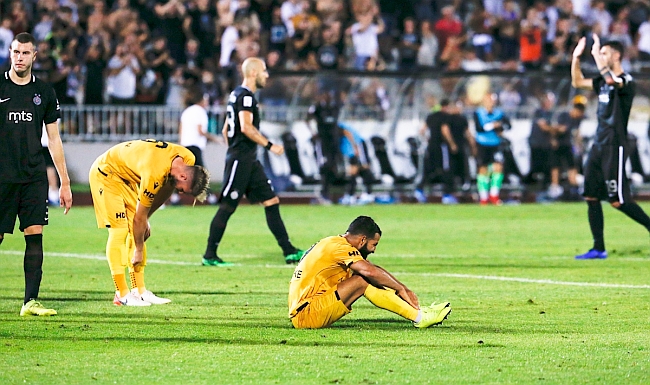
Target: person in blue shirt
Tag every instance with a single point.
(490, 124)
(353, 149)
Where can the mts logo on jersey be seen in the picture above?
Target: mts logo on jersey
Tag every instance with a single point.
(148, 194)
(19, 116)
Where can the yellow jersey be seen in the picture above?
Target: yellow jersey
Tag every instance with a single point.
(145, 165)
(323, 266)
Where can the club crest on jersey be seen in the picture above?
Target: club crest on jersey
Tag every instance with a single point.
(37, 99)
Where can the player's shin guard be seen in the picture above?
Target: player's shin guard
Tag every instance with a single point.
(276, 225)
(483, 185)
(33, 265)
(495, 183)
(387, 299)
(217, 228)
(116, 253)
(634, 211)
(596, 223)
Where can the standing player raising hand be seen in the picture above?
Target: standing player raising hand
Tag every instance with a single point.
(605, 177)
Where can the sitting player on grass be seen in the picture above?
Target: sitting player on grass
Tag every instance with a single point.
(334, 273)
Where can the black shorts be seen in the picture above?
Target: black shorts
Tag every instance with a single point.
(48, 157)
(605, 177)
(488, 155)
(198, 155)
(562, 158)
(28, 201)
(540, 160)
(245, 177)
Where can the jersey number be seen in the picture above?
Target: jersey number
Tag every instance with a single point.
(230, 117)
(159, 143)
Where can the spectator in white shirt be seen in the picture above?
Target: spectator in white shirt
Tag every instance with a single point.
(364, 39)
(121, 81)
(193, 129)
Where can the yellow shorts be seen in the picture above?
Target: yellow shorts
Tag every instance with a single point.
(114, 200)
(322, 311)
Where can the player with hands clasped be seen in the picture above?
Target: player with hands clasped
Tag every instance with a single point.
(335, 272)
(604, 169)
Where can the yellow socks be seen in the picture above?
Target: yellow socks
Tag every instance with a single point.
(387, 299)
(137, 280)
(120, 284)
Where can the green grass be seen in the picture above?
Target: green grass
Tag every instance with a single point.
(230, 326)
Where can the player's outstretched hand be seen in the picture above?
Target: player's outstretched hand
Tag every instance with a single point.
(65, 198)
(277, 149)
(595, 48)
(580, 48)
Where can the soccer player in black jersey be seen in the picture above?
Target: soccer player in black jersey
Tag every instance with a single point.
(26, 103)
(605, 165)
(244, 174)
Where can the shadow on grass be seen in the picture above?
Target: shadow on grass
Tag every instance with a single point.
(316, 340)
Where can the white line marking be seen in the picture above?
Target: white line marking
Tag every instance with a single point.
(97, 257)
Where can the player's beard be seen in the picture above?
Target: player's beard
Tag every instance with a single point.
(364, 251)
(260, 83)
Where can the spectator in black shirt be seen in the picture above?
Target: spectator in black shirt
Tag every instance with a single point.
(541, 139)
(200, 24)
(564, 155)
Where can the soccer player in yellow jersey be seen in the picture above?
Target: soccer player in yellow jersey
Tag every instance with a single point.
(335, 272)
(128, 183)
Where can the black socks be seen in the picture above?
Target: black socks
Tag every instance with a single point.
(33, 265)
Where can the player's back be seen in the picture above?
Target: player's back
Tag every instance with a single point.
(131, 160)
(241, 99)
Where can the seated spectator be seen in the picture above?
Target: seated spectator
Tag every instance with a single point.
(200, 24)
(193, 61)
(6, 37)
(428, 51)
(329, 55)
(408, 46)
(481, 24)
(472, 63)
(278, 33)
(43, 27)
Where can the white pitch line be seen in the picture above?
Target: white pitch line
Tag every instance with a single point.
(98, 257)
(529, 280)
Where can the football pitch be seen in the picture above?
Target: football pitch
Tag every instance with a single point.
(524, 311)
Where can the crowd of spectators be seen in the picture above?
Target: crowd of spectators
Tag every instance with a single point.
(148, 51)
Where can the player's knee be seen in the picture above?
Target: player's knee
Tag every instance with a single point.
(616, 205)
(228, 206)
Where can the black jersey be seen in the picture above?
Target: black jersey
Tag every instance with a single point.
(23, 111)
(572, 124)
(241, 99)
(327, 116)
(434, 122)
(458, 125)
(613, 112)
